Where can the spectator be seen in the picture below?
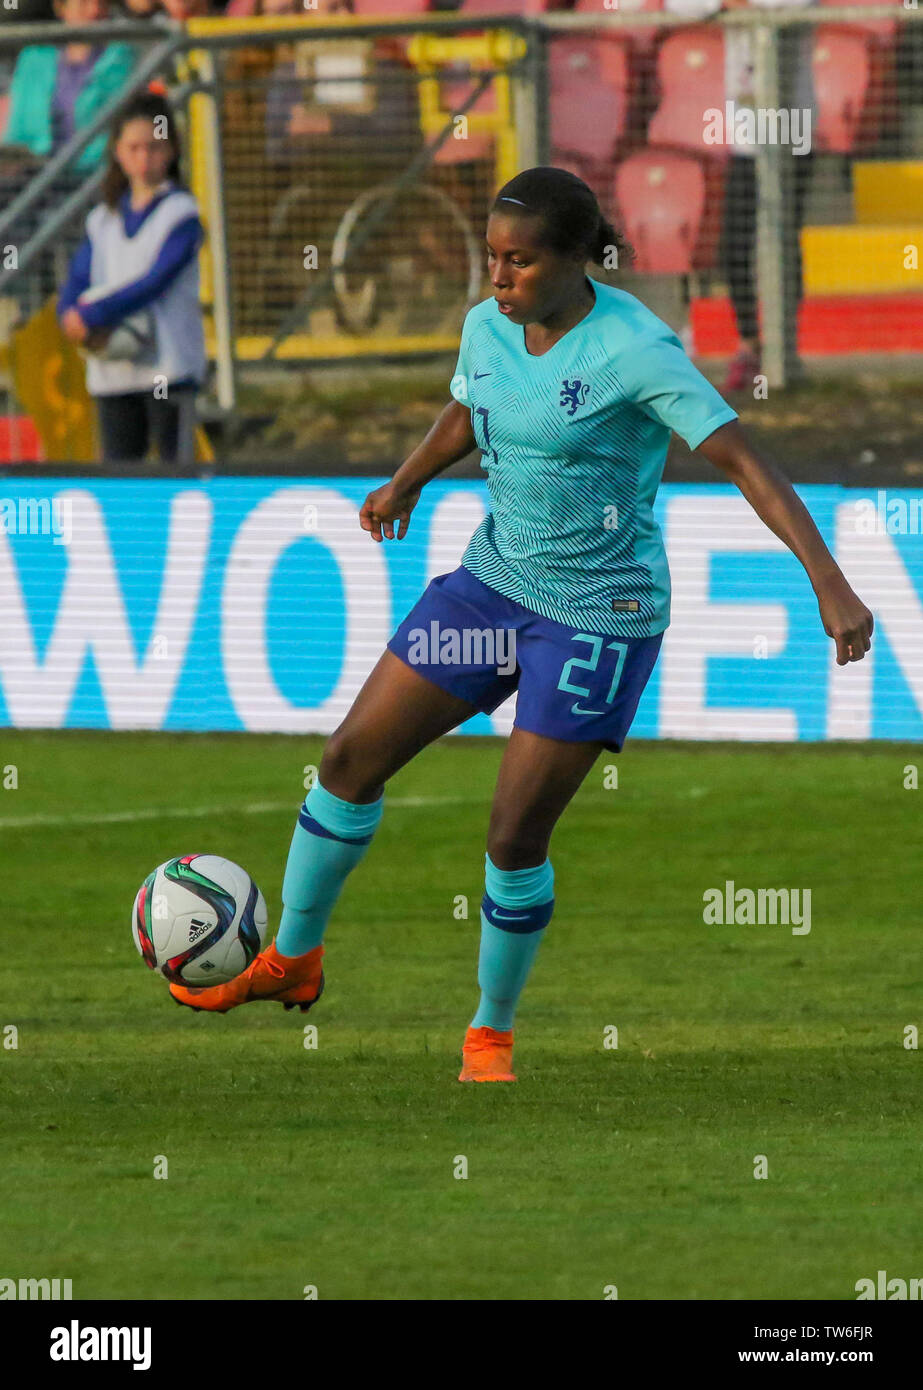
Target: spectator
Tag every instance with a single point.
(132, 295)
(23, 12)
(56, 89)
(140, 9)
(346, 91)
(741, 194)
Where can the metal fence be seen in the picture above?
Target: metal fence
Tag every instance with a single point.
(765, 164)
(357, 171)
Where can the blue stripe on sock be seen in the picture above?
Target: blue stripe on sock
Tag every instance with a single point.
(517, 919)
(307, 822)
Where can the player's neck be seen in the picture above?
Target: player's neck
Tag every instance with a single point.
(543, 334)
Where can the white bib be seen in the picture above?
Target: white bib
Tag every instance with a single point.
(118, 260)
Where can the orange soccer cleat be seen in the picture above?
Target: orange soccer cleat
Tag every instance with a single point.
(288, 980)
(487, 1055)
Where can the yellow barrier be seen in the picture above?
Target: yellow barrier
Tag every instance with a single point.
(861, 260)
(886, 190)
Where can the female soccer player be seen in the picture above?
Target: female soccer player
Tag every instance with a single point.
(570, 389)
(138, 267)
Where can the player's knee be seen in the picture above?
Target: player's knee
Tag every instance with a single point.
(516, 848)
(348, 768)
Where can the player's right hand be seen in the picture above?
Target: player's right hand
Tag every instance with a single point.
(383, 507)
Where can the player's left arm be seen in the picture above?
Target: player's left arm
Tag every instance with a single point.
(843, 614)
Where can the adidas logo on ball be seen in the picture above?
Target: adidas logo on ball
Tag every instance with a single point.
(197, 929)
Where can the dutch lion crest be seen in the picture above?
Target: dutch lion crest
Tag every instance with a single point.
(574, 394)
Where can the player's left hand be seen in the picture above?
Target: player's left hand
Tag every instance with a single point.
(845, 618)
(383, 507)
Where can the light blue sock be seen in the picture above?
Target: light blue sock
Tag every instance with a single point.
(516, 909)
(329, 840)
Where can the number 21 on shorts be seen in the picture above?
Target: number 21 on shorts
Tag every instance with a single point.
(590, 663)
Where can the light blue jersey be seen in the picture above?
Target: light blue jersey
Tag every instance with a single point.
(574, 443)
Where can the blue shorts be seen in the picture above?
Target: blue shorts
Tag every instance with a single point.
(574, 685)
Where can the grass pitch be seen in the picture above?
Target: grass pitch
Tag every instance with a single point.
(335, 1167)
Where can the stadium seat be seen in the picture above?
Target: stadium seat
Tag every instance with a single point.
(669, 195)
(661, 197)
(879, 109)
(883, 30)
(841, 64)
(690, 73)
(590, 88)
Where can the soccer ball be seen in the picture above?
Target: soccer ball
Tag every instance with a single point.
(199, 920)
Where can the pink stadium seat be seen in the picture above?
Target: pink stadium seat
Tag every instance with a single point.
(883, 30)
(867, 106)
(690, 71)
(843, 76)
(590, 83)
(661, 199)
(669, 195)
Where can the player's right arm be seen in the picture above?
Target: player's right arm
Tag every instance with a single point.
(450, 439)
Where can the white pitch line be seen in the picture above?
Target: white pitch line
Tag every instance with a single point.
(254, 808)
